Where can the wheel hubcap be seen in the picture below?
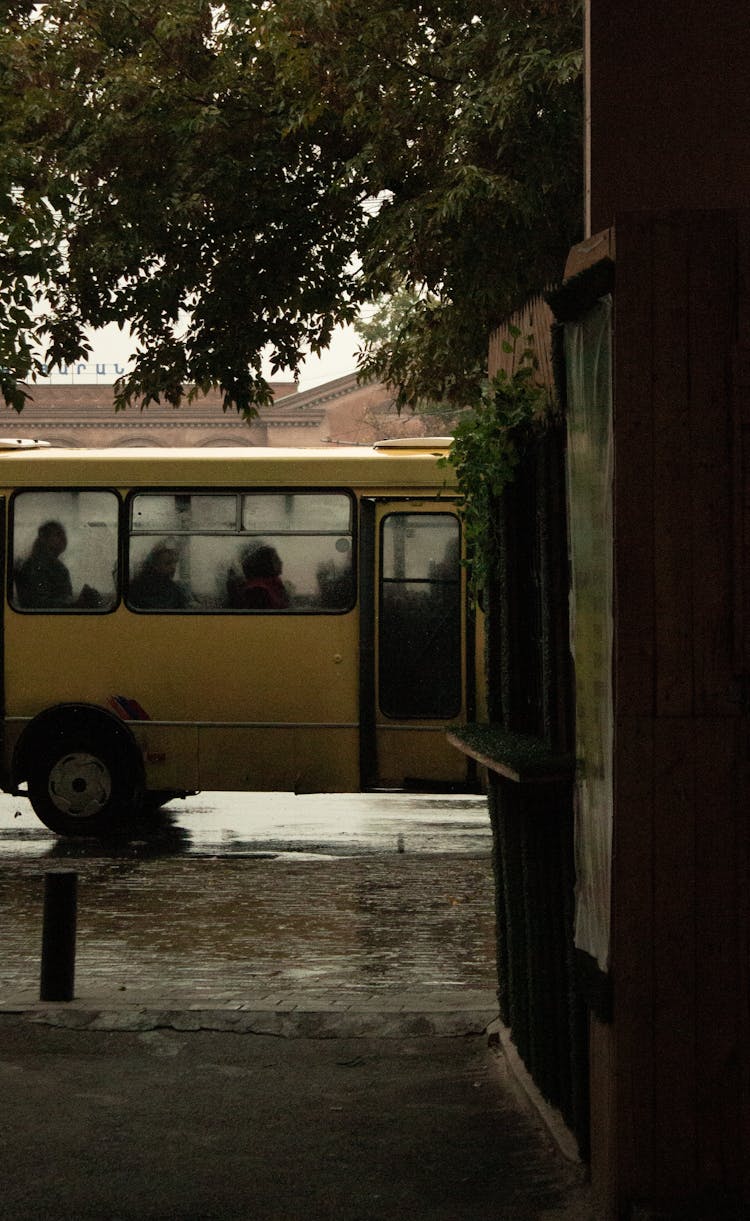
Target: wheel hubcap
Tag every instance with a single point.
(80, 785)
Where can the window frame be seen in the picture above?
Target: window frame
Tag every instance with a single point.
(426, 581)
(12, 558)
(239, 534)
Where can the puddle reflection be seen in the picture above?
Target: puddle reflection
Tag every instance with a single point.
(268, 826)
(226, 891)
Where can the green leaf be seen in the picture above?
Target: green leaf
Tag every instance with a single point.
(231, 181)
(485, 453)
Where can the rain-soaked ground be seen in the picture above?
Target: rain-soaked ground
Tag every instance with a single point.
(226, 892)
(250, 824)
(343, 935)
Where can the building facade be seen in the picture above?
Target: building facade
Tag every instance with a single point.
(340, 412)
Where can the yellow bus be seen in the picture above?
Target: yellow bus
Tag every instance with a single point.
(229, 619)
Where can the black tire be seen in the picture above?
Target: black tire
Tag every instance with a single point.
(83, 784)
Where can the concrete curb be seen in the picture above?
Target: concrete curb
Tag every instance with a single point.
(528, 1094)
(301, 1023)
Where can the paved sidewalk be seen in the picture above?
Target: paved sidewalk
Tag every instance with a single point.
(213, 932)
(379, 1105)
(196, 1125)
(311, 1014)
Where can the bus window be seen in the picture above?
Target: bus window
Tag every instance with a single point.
(154, 584)
(312, 513)
(168, 514)
(64, 551)
(197, 551)
(311, 532)
(419, 637)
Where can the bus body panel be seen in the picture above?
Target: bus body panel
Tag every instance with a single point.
(299, 759)
(194, 668)
(372, 471)
(418, 756)
(171, 758)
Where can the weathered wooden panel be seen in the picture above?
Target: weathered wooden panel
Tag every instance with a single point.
(712, 261)
(740, 761)
(634, 660)
(674, 949)
(599, 246)
(659, 135)
(719, 963)
(604, 1150)
(741, 454)
(743, 950)
(681, 853)
(671, 1076)
(633, 955)
(673, 497)
(534, 320)
(528, 660)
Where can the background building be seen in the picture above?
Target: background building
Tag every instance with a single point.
(339, 412)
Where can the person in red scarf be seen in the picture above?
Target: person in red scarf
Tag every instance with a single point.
(260, 587)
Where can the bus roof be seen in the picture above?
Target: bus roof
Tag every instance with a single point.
(384, 465)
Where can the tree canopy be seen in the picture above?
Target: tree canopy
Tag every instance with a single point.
(233, 180)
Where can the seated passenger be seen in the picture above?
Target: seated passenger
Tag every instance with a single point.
(42, 579)
(260, 587)
(154, 586)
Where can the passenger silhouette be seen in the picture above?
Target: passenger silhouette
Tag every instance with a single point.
(43, 580)
(154, 586)
(260, 587)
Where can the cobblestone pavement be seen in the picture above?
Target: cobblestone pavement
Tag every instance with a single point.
(313, 912)
(260, 934)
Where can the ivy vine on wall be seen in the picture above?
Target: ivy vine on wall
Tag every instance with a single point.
(486, 449)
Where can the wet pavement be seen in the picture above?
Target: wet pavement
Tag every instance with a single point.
(350, 941)
(267, 901)
(253, 824)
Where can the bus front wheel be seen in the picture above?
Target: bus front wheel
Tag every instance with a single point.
(81, 787)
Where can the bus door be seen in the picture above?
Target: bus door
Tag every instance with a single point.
(413, 647)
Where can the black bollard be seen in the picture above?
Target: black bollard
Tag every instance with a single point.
(59, 937)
